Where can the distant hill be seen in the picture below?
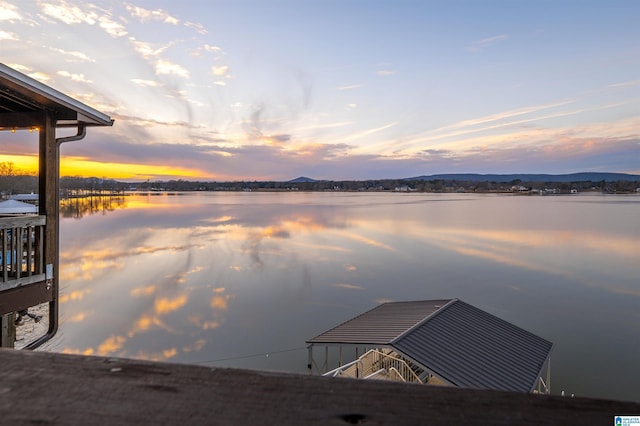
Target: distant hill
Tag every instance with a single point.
(572, 177)
(302, 179)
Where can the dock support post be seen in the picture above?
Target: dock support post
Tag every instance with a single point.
(7, 331)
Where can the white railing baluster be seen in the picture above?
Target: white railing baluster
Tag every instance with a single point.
(371, 363)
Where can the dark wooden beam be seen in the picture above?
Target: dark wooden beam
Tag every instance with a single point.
(24, 297)
(48, 388)
(21, 120)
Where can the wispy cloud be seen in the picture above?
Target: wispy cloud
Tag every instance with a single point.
(211, 49)
(368, 132)
(69, 14)
(148, 50)
(75, 77)
(88, 14)
(40, 76)
(146, 15)
(145, 83)
(74, 55)
(479, 45)
(111, 27)
(9, 12)
(505, 114)
(449, 135)
(219, 71)
(4, 35)
(348, 286)
(200, 29)
(350, 87)
(631, 83)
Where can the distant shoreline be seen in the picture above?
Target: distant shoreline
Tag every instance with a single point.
(534, 184)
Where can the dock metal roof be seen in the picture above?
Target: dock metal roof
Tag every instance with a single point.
(462, 344)
(23, 99)
(381, 325)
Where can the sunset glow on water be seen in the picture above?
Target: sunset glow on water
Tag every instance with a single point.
(224, 279)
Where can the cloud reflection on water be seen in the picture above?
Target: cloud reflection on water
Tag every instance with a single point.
(200, 277)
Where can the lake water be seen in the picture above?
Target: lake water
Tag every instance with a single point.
(244, 279)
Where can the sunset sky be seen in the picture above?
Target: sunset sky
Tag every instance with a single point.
(334, 89)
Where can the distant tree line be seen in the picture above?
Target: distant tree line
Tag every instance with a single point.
(16, 181)
(405, 185)
(13, 181)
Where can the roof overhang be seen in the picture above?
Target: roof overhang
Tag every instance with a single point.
(23, 102)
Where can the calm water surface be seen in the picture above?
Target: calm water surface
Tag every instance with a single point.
(243, 279)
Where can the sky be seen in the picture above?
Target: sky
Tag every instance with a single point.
(334, 89)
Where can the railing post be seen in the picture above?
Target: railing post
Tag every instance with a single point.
(7, 331)
(5, 273)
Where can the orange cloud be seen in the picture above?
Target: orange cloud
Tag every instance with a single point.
(142, 324)
(369, 241)
(111, 345)
(219, 302)
(197, 346)
(205, 325)
(79, 317)
(74, 295)
(88, 351)
(165, 306)
(169, 353)
(143, 291)
(162, 355)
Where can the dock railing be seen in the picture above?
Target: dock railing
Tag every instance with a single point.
(21, 251)
(370, 365)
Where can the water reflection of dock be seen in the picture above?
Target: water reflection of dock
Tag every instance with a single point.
(84, 193)
(82, 204)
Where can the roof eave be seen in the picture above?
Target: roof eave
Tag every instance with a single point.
(85, 115)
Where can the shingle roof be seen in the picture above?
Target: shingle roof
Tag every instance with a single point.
(460, 343)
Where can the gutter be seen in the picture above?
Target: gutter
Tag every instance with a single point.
(53, 304)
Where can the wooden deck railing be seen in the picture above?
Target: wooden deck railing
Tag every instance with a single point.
(21, 251)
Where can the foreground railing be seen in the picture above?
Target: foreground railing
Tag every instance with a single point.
(21, 252)
(373, 364)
